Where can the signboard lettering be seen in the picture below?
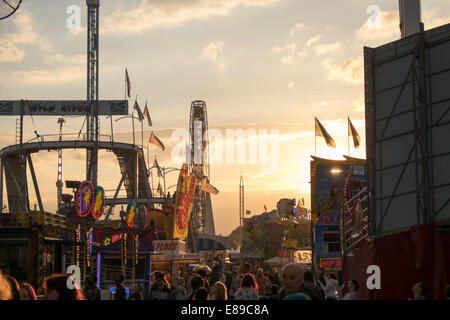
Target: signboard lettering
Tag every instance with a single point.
(62, 107)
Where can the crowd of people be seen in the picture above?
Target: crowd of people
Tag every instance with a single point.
(291, 283)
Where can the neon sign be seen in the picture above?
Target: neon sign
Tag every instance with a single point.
(131, 214)
(331, 263)
(329, 220)
(84, 199)
(99, 203)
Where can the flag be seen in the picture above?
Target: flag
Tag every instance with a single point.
(156, 164)
(205, 186)
(352, 132)
(154, 140)
(321, 132)
(136, 107)
(160, 190)
(265, 208)
(147, 115)
(127, 81)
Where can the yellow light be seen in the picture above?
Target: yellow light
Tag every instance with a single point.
(336, 171)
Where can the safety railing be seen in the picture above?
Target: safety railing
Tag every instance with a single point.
(67, 137)
(354, 222)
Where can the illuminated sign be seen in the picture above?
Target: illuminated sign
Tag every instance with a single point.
(331, 263)
(84, 199)
(283, 253)
(329, 219)
(170, 246)
(131, 214)
(116, 237)
(185, 197)
(99, 203)
(303, 256)
(182, 257)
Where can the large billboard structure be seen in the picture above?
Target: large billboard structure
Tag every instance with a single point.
(407, 94)
(333, 183)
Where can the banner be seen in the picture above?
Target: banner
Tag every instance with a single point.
(62, 107)
(185, 201)
(161, 221)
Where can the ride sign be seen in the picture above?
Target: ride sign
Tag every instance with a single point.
(185, 207)
(131, 215)
(84, 199)
(99, 203)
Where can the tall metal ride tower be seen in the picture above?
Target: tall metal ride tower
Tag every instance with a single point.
(92, 89)
(202, 218)
(241, 203)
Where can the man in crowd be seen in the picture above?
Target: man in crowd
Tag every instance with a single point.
(291, 281)
(196, 283)
(274, 278)
(120, 289)
(310, 288)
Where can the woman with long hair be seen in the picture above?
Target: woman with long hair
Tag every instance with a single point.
(56, 287)
(248, 289)
(218, 291)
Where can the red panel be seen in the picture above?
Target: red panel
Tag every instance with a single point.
(421, 254)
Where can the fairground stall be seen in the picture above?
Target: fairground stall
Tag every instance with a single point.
(31, 245)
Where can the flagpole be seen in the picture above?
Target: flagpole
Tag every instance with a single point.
(164, 172)
(132, 120)
(112, 130)
(315, 137)
(148, 157)
(142, 133)
(315, 145)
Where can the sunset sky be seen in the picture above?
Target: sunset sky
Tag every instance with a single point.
(265, 65)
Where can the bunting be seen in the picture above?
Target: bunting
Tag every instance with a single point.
(205, 186)
(136, 107)
(147, 115)
(156, 164)
(154, 140)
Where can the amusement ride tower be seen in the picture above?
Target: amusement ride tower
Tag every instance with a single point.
(202, 220)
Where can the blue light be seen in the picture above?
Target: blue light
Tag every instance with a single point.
(113, 290)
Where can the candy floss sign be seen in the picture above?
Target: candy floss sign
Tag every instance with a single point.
(169, 246)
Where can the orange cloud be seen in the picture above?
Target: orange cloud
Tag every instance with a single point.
(9, 52)
(350, 71)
